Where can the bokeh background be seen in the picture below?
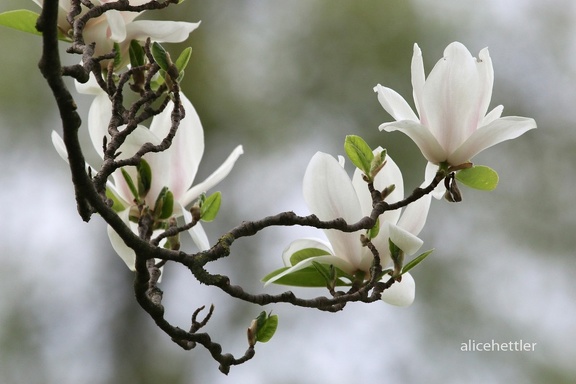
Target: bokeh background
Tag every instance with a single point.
(285, 79)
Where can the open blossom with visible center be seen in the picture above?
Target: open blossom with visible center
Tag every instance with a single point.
(330, 194)
(174, 168)
(452, 124)
(120, 27)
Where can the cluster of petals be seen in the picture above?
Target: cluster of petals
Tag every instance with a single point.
(329, 194)
(453, 123)
(121, 27)
(174, 168)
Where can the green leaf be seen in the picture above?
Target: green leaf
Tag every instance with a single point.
(130, 183)
(307, 277)
(267, 329)
(25, 21)
(210, 207)
(117, 55)
(164, 205)
(144, 178)
(161, 56)
(359, 153)
(373, 232)
(117, 205)
(478, 177)
(415, 261)
(306, 253)
(136, 54)
(183, 59)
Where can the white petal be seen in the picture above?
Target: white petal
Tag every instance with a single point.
(486, 77)
(126, 253)
(401, 293)
(99, 117)
(421, 136)
(329, 194)
(429, 175)
(160, 31)
(217, 176)
(502, 129)
(90, 87)
(196, 232)
(116, 25)
(492, 115)
(414, 215)
(300, 244)
(452, 94)
(406, 241)
(395, 104)
(418, 81)
(177, 166)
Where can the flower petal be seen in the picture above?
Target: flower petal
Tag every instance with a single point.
(422, 136)
(126, 253)
(492, 115)
(502, 129)
(415, 214)
(418, 81)
(160, 31)
(177, 166)
(395, 104)
(99, 117)
(217, 176)
(401, 293)
(116, 26)
(196, 232)
(329, 194)
(429, 175)
(405, 240)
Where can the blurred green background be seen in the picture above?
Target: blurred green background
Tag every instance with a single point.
(285, 79)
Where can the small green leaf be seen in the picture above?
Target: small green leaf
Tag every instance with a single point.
(478, 177)
(130, 183)
(267, 329)
(117, 55)
(210, 206)
(306, 253)
(144, 178)
(164, 205)
(359, 153)
(161, 56)
(136, 54)
(415, 261)
(183, 59)
(373, 232)
(117, 205)
(25, 21)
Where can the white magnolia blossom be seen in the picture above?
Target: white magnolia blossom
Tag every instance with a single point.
(174, 168)
(120, 27)
(452, 124)
(330, 194)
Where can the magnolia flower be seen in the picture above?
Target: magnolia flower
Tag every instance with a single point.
(452, 103)
(174, 168)
(330, 194)
(120, 27)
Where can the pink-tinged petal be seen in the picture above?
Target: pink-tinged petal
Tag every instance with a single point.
(125, 252)
(327, 260)
(401, 293)
(452, 96)
(216, 177)
(421, 136)
(196, 232)
(116, 26)
(502, 129)
(160, 31)
(395, 104)
(414, 215)
(300, 244)
(418, 81)
(404, 240)
(492, 115)
(177, 166)
(329, 194)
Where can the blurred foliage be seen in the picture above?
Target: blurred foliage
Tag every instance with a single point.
(287, 78)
